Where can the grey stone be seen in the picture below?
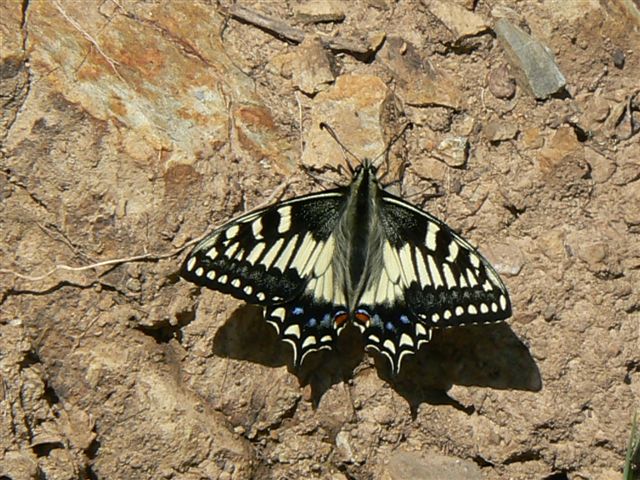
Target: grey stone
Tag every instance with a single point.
(530, 58)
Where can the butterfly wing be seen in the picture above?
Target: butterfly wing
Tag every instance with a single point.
(279, 258)
(432, 277)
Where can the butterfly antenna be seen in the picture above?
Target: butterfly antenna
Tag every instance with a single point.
(386, 151)
(345, 150)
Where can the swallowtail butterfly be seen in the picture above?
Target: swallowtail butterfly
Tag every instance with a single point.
(355, 254)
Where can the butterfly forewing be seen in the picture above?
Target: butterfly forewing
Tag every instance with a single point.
(263, 257)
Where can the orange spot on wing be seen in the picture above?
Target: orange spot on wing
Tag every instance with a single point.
(341, 319)
(363, 318)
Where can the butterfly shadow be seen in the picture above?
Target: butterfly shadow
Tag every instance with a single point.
(246, 336)
(489, 356)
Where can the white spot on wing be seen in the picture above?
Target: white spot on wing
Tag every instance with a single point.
(191, 263)
(420, 330)
(285, 256)
(472, 309)
(407, 266)
(256, 228)
(211, 274)
(257, 250)
(270, 256)
(293, 330)
(459, 310)
(309, 262)
(406, 340)
(397, 291)
(448, 276)
(199, 271)
(390, 260)
(302, 255)
(503, 302)
(327, 290)
(381, 291)
(222, 279)
(435, 274)
(432, 230)
(231, 250)
(453, 251)
(232, 231)
(422, 269)
(318, 291)
(236, 282)
(475, 261)
(325, 257)
(473, 281)
(484, 308)
(285, 219)
(388, 344)
(279, 312)
(310, 340)
(376, 293)
(311, 286)
(248, 289)
(212, 253)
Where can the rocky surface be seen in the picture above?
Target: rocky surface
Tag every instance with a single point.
(130, 128)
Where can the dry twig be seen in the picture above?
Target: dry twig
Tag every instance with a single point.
(104, 263)
(285, 31)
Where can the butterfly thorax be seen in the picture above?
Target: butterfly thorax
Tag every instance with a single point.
(359, 237)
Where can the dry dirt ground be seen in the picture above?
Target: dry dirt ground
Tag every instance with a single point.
(129, 128)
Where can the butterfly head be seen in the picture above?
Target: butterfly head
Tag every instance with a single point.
(365, 173)
(367, 165)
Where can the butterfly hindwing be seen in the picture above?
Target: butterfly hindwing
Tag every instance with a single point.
(266, 257)
(306, 324)
(393, 331)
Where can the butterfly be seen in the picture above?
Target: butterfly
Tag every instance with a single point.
(357, 255)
